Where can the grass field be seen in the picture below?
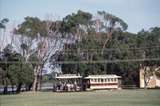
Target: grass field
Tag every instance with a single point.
(94, 98)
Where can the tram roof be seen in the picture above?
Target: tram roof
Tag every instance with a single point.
(103, 76)
(68, 76)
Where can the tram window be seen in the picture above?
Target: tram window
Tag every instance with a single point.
(98, 80)
(92, 80)
(101, 80)
(95, 80)
(105, 80)
(109, 80)
(115, 79)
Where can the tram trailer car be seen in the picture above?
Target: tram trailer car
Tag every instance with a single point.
(103, 82)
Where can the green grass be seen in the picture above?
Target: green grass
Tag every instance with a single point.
(94, 98)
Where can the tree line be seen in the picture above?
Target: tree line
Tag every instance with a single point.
(89, 43)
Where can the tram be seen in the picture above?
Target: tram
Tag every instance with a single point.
(103, 81)
(73, 82)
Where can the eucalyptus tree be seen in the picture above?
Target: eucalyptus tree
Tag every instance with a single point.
(149, 41)
(40, 39)
(2, 35)
(76, 27)
(109, 24)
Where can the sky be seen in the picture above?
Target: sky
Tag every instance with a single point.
(138, 14)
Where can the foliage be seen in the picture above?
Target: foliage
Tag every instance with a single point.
(75, 21)
(32, 27)
(13, 70)
(3, 22)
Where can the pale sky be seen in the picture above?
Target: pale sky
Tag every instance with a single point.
(137, 14)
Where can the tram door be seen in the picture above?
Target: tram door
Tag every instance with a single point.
(85, 84)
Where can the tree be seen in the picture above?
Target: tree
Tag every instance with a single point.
(110, 24)
(76, 27)
(3, 27)
(46, 37)
(5, 55)
(33, 29)
(149, 41)
(21, 74)
(13, 70)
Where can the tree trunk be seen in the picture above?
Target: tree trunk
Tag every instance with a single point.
(39, 82)
(26, 87)
(29, 87)
(12, 88)
(145, 79)
(104, 45)
(109, 36)
(3, 39)
(5, 91)
(19, 88)
(36, 78)
(35, 83)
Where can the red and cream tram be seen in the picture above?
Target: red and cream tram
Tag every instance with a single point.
(103, 81)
